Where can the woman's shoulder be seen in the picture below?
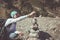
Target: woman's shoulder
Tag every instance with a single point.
(9, 19)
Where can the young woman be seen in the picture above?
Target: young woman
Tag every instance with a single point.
(11, 22)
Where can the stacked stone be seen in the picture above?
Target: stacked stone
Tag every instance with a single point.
(33, 35)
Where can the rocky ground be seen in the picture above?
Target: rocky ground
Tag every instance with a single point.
(49, 27)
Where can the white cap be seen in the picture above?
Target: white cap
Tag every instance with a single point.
(13, 13)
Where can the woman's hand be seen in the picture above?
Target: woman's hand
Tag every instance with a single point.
(31, 14)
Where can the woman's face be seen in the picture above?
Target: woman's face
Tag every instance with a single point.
(16, 16)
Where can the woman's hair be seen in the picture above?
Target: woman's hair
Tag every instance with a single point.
(14, 9)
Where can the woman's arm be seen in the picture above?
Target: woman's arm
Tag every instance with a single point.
(22, 17)
(9, 21)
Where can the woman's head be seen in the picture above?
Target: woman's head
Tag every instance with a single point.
(14, 14)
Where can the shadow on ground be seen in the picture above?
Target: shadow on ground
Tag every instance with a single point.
(44, 36)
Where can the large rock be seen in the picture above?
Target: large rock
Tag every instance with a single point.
(47, 25)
